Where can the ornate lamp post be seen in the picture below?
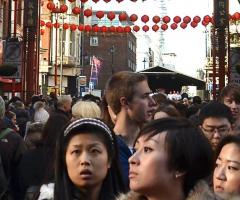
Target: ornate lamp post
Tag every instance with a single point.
(57, 11)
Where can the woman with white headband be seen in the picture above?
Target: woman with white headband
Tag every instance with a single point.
(86, 166)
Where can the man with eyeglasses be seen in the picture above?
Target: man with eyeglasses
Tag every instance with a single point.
(216, 122)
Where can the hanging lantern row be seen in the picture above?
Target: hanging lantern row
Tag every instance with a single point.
(145, 18)
(118, 29)
(51, 5)
(53, 8)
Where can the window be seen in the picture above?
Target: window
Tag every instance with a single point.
(72, 43)
(129, 63)
(94, 41)
(134, 48)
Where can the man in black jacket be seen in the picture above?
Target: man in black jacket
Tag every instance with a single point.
(11, 150)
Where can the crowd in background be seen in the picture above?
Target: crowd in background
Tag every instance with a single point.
(129, 144)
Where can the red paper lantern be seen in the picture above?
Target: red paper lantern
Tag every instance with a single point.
(183, 25)
(174, 26)
(156, 19)
(120, 29)
(166, 19)
(65, 26)
(42, 23)
(145, 18)
(81, 27)
(236, 15)
(63, 8)
(88, 28)
(73, 27)
(186, 19)
(145, 28)
(155, 27)
(112, 29)
(136, 28)
(49, 25)
(84, 1)
(104, 29)
(42, 31)
(207, 18)
(95, 28)
(100, 14)
(111, 15)
(177, 19)
(50, 5)
(76, 10)
(204, 23)
(87, 12)
(193, 24)
(122, 16)
(95, 1)
(71, 1)
(127, 29)
(107, 1)
(197, 19)
(56, 25)
(164, 27)
(231, 17)
(133, 17)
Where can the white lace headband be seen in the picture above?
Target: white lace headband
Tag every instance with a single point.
(90, 121)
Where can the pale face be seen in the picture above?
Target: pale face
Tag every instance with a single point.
(226, 178)
(233, 105)
(142, 106)
(215, 129)
(149, 173)
(86, 160)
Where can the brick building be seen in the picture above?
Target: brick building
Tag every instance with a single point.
(116, 51)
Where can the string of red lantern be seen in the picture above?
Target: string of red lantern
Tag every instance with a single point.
(119, 29)
(144, 18)
(156, 19)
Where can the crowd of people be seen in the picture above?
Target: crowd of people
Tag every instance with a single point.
(132, 144)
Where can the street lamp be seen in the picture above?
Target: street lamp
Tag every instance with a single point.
(112, 50)
(56, 11)
(144, 62)
(61, 53)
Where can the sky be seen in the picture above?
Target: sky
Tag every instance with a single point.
(188, 44)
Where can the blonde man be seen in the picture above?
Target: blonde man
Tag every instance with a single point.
(83, 109)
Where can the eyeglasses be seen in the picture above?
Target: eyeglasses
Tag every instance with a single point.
(212, 130)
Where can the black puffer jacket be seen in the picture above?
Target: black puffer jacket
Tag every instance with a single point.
(11, 148)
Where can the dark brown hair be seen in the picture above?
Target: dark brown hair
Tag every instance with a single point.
(232, 90)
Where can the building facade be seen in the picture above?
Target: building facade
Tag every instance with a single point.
(114, 51)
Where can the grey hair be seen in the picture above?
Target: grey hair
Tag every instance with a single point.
(2, 108)
(63, 99)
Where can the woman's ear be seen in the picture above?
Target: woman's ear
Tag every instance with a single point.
(109, 164)
(179, 174)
